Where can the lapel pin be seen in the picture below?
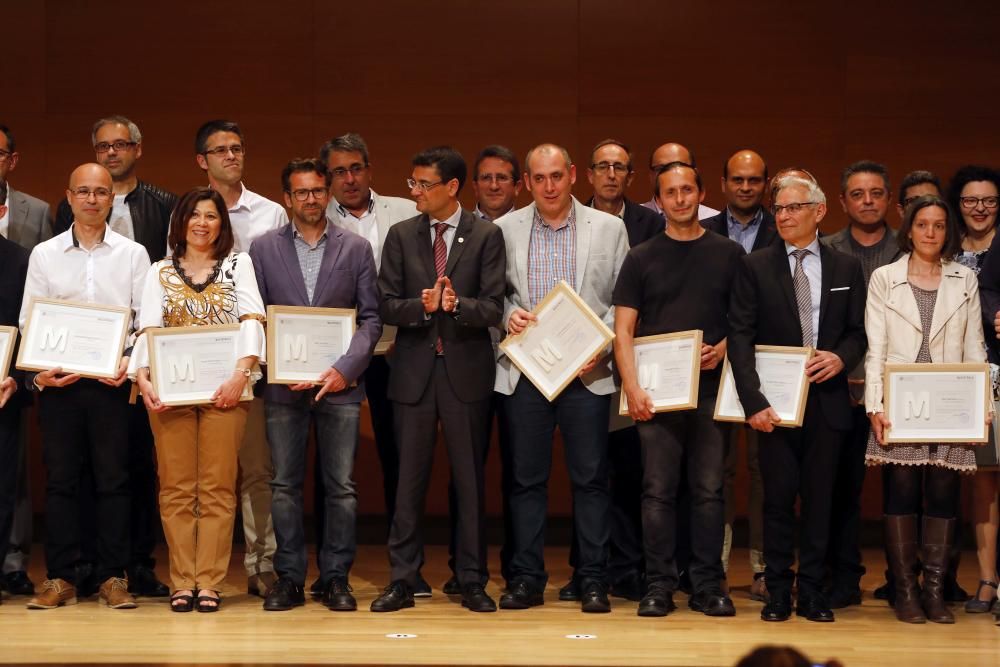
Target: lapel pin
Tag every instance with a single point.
(461, 240)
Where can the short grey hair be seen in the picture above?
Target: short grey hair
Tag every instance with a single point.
(813, 192)
(352, 142)
(547, 148)
(134, 135)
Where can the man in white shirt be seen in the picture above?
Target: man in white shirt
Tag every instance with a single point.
(220, 152)
(86, 419)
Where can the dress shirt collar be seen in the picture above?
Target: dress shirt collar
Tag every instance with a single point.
(813, 247)
(482, 216)
(343, 212)
(754, 221)
(244, 202)
(70, 241)
(451, 221)
(324, 235)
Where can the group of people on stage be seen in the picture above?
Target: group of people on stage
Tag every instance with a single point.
(438, 286)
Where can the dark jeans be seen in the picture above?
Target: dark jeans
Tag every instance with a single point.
(86, 423)
(336, 446)
(844, 553)
(582, 418)
(10, 427)
(694, 440)
(625, 472)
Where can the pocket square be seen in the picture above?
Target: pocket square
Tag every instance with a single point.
(839, 289)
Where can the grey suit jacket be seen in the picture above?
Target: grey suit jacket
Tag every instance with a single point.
(601, 246)
(29, 221)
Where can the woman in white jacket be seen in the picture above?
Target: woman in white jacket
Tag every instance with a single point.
(922, 308)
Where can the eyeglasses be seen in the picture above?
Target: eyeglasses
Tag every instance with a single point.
(235, 149)
(423, 185)
(84, 193)
(303, 195)
(500, 179)
(4, 154)
(974, 202)
(119, 146)
(355, 169)
(617, 167)
(792, 209)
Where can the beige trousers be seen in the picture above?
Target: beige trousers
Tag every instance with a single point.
(256, 473)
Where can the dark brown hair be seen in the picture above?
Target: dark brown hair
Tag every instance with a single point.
(177, 238)
(952, 232)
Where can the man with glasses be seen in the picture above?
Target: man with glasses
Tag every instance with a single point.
(337, 270)
(865, 197)
(664, 155)
(496, 182)
(220, 151)
(140, 211)
(804, 294)
(26, 222)
(356, 207)
(442, 284)
(84, 422)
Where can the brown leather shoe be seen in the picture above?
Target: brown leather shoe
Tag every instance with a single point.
(261, 584)
(114, 592)
(937, 536)
(54, 593)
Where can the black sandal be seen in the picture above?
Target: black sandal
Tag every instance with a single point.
(182, 602)
(205, 602)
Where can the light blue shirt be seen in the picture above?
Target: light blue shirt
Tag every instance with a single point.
(746, 234)
(813, 266)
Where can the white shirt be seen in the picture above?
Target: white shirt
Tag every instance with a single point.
(366, 226)
(121, 218)
(253, 216)
(813, 267)
(112, 273)
(5, 219)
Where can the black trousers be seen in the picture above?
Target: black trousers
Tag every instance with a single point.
(86, 423)
(844, 552)
(10, 428)
(798, 463)
(466, 430)
(625, 557)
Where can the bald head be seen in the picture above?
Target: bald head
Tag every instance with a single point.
(744, 180)
(666, 154)
(90, 194)
(549, 176)
(548, 151)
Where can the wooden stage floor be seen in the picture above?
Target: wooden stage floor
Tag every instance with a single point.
(440, 632)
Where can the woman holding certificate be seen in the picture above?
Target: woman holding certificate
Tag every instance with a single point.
(927, 288)
(203, 283)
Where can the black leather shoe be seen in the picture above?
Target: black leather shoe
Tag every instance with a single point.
(882, 592)
(570, 592)
(779, 608)
(452, 587)
(841, 598)
(317, 589)
(521, 595)
(658, 601)
(338, 595)
(629, 587)
(474, 598)
(142, 581)
(17, 583)
(594, 597)
(284, 595)
(712, 603)
(814, 608)
(397, 595)
(421, 589)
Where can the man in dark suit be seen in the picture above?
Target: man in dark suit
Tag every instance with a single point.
(13, 269)
(798, 293)
(442, 283)
(309, 262)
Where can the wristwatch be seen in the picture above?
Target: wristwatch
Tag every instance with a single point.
(246, 371)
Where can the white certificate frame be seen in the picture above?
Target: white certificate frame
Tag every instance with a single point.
(280, 372)
(67, 318)
(189, 338)
(727, 403)
(651, 345)
(528, 351)
(8, 339)
(899, 383)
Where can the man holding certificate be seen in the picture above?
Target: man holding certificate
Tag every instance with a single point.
(558, 239)
(85, 419)
(678, 281)
(312, 263)
(797, 293)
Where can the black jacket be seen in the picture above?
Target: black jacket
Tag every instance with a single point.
(13, 270)
(641, 223)
(150, 208)
(766, 235)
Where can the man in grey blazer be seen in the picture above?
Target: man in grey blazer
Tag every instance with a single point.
(309, 262)
(558, 238)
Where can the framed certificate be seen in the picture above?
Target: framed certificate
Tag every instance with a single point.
(669, 367)
(84, 338)
(937, 402)
(566, 336)
(783, 381)
(8, 336)
(188, 364)
(304, 342)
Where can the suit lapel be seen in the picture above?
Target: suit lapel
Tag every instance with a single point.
(582, 243)
(331, 253)
(463, 230)
(826, 266)
(424, 248)
(951, 295)
(521, 242)
(785, 279)
(17, 216)
(286, 249)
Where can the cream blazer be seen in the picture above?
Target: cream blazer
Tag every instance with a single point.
(892, 323)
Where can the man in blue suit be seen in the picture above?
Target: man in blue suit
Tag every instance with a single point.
(310, 262)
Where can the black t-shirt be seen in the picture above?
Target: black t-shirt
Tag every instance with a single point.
(681, 285)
